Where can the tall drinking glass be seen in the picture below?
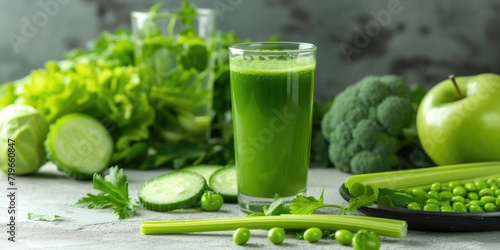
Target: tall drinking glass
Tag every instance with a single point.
(177, 62)
(272, 91)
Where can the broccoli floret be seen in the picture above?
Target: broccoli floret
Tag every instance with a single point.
(365, 123)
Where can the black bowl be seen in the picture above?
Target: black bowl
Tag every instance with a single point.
(433, 221)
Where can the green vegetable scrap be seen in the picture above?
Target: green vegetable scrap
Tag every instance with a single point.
(365, 124)
(113, 194)
(43, 217)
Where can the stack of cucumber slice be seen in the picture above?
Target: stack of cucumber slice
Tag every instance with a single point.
(184, 188)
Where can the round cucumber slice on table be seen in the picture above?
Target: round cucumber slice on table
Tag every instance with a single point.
(79, 145)
(223, 181)
(205, 170)
(171, 191)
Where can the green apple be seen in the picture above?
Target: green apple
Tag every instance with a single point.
(458, 120)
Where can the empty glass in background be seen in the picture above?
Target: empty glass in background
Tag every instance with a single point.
(272, 91)
(176, 66)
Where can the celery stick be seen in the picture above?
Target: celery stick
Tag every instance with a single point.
(381, 226)
(366, 183)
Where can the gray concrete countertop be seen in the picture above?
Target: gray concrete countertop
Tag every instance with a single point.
(49, 192)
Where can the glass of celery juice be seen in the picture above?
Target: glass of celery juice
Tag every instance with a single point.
(272, 91)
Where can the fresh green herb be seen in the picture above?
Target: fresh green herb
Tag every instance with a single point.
(277, 207)
(43, 217)
(114, 194)
(382, 226)
(308, 205)
(187, 13)
(397, 198)
(361, 201)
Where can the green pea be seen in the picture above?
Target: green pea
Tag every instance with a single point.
(492, 181)
(446, 189)
(431, 207)
(486, 192)
(467, 200)
(434, 195)
(470, 187)
(459, 207)
(475, 208)
(446, 195)
(473, 195)
(365, 240)
(488, 199)
(446, 207)
(414, 206)
(241, 236)
(459, 191)
(433, 201)
(490, 207)
(454, 184)
(497, 202)
(494, 187)
(497, 193)
(313, 234)
(343, 237)
(276, 235)
(477, 202)
(418, 193)
(481, 184)
(436, 187)
(458, 199)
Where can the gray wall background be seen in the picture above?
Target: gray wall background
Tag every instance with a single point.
(424, 41)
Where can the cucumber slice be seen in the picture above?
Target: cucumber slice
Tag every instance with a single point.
(205, 170)
(223, 181)
(174, 190)
(79, 145)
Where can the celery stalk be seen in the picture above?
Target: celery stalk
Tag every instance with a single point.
(381, 226)
(366, 183)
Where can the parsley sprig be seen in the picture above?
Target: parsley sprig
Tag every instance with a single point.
(114, 194)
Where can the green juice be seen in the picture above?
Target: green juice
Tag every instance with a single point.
(272, 117)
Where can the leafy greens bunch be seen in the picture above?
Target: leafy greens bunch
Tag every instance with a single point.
(109, 82)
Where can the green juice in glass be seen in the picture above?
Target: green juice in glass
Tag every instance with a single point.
(272, 119)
